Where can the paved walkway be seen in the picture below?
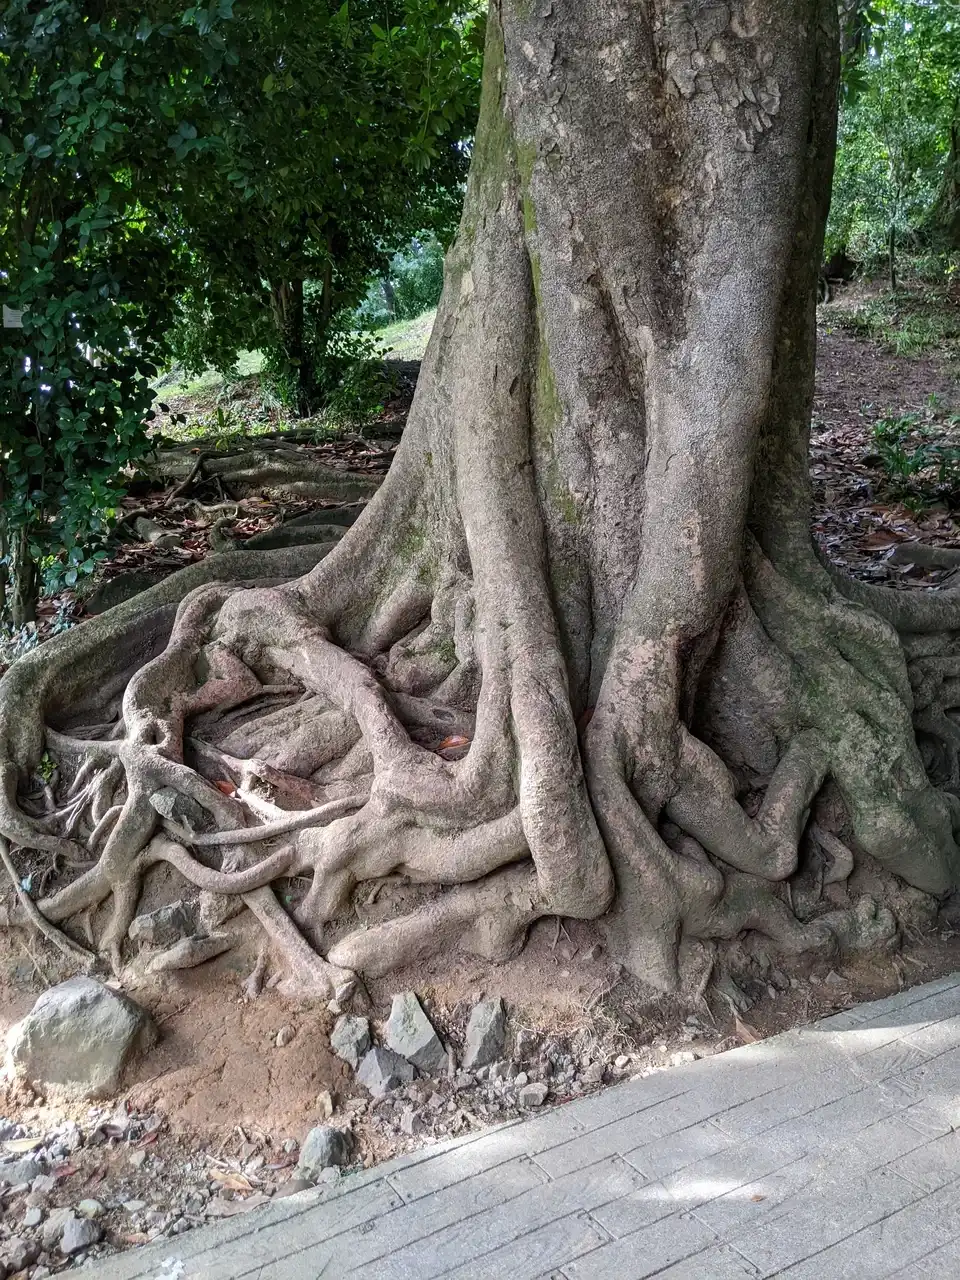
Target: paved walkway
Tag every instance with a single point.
(828, 1153)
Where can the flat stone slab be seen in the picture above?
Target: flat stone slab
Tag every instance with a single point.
(825, 1152)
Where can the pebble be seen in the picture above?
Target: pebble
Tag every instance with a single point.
(284, 1036)
(90, 1208)
(621, 1060)
(134, 1206)
(79, 1233)
(533, 1095)
(290, 1145)
(33, 1217)
(138, 1159)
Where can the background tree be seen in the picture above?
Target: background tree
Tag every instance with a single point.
(89, 96)
(337, 137)
(896, 167)
(591, 560)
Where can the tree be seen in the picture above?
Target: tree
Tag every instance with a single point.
(896, 166)
(89, 97)
(340, 129)
(591, 559)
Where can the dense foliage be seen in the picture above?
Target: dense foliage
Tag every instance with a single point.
(896, 175)
(341, 129)
(193, 180)
(95, 101)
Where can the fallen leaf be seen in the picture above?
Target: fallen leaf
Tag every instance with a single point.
(746, 1033)
(227, 788)
(23, 1144)
(232, 1181)
(455, 740)
(757, 1199)
(881, 540)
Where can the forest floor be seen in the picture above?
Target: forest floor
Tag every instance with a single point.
(212, 1118)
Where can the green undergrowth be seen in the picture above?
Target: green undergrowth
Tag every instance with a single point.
(918, 456)
(918, 319)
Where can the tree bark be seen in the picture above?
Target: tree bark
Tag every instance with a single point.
(591, 564)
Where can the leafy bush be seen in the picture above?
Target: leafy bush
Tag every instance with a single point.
(919, 458)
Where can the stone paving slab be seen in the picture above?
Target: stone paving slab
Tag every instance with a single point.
(831, 1152)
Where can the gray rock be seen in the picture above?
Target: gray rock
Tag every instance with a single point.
(323, 1148)
(90, 1208)
(410, 1033)
(163, 927)
(54, 1226)
(526, 1043)
(486, 1034)
(18, 1254)
(383, 1070)
(33, 1217)
(79, 1233)
(79, 1036)
(350, 1039)
(411, 1122)
(735, 996)
(23, 1170)
(532, 1095)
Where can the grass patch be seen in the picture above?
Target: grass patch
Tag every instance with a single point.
(917, 320)
(407, 339)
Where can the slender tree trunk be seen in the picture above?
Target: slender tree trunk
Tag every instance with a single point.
(288, 313)
(24, 585)
(591, 564)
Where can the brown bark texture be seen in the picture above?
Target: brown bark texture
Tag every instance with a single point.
(591, 562)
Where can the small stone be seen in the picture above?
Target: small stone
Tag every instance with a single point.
(595, 952)
(532, 1095)
(486, 1034)
(137, 1159)
(592, 1074)
(686, 1055)
(834, 979)
(54, 1226)
(621, 1061)
(409, 1032)
(411, 1122)
(322, 1148)
(79, 1035)
(815, 981)
(794, 983)
(525, 1045)
(350, 1039)
(520, 1079)
(134, 1206)
(33, 1217)
(17, 1171)
(18, 1254)
(164, 926)
(79, 1233)
(735, 996)
(90, 1208)
(382, 1070)
(284, 1036)
(325, 1104)
(290, 1145)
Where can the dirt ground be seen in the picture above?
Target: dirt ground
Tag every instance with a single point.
(211, 1118)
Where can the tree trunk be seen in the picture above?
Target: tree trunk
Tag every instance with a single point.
(591, 561)
(288, 315)
(945, 218)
